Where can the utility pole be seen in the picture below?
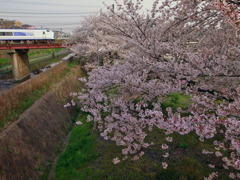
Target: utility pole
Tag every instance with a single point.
(112, 7)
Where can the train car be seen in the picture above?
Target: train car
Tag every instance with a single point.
(21, 35)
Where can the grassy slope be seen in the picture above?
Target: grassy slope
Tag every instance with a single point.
(24, 101)
(41, 52)
(4, 61)
(88, 157)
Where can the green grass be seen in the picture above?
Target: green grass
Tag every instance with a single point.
(4, 61)
(41, 52)
(176, 100)
(32, 54)
(45, 62)
(73, 63)
(80, 151)
(89, 157)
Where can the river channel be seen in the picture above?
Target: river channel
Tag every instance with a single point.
(36, 67)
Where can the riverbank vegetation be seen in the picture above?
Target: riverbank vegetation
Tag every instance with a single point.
(41, 52)
(33, 53)
(4, 61)
(16, 100)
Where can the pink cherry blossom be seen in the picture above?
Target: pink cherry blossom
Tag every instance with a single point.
(211, 165)
(79, 123)
(211, 176)
(225, 166)
(232, 175)
(169, 139)
(204, 151)
(237, 164)
(135, 60)
(135, 158)
(164, 165)
(164, 146)
(166, 155)
(238, 175)
(141, 153)
(116, 160)
(218, 153)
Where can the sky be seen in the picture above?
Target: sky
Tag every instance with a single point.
(62, 15)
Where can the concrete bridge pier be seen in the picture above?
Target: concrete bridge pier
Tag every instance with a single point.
(20, 64)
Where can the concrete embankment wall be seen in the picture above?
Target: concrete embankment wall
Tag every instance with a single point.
(29, 145)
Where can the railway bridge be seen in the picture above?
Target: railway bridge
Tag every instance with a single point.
(19, 56)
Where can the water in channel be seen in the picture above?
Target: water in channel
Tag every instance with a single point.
(7, 81)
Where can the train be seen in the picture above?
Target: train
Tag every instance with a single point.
(26, 35)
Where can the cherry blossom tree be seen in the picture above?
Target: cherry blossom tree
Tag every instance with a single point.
(94, 43)
(231, 9)
(178, 46)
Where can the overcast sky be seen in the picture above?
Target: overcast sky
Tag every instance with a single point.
(53, 14)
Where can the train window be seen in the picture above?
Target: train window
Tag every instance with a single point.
(48, 31)
(6, 34)
(43, 32)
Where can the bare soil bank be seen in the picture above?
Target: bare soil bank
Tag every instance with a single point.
(4, 55)
(29, 145)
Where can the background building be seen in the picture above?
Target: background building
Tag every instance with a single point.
(28, 26)
(6, 24)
